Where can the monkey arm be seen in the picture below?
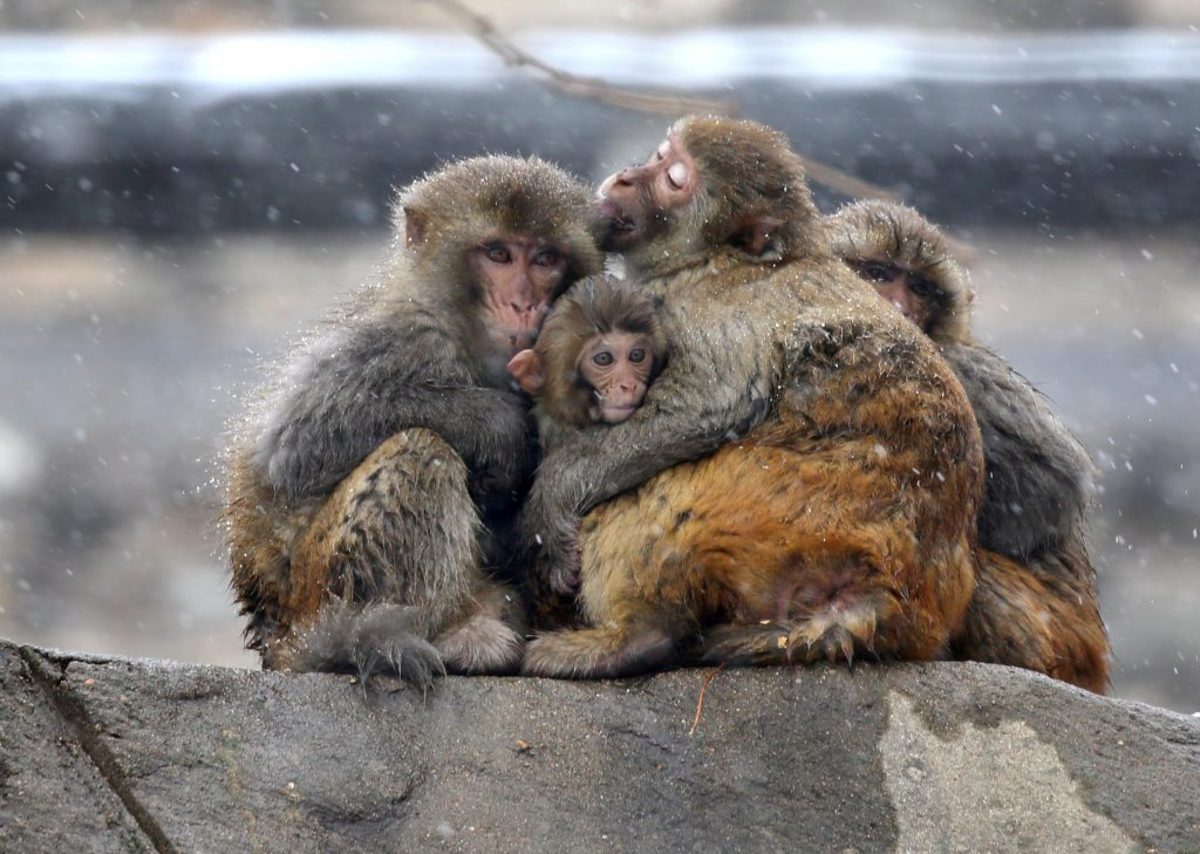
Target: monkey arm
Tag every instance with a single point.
(688, 413)
(352, 395)
(1039, 476)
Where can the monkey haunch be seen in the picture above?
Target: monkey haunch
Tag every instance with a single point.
(368, 505)
(1035, 599)
(844, 517)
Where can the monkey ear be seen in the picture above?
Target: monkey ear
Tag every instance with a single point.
(415, 222)
(527, 369)
(758, 237)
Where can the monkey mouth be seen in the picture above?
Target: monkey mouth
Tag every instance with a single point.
(615, 413)
(618, 233)
(614, 219)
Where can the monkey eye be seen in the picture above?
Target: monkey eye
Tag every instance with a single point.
(876, 271)
(602, 359)
(497, 252)
(677, 175)
(663, 150)
(922, 287)
(547, 257)
(637, 355)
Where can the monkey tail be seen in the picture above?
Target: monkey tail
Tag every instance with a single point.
(380, 639)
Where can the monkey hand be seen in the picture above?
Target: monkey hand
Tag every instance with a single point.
(551, 533)
(493, 490)
(560, 566)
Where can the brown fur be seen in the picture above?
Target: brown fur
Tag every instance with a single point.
(367, 502)
(843, 516)
(1035, 607)
(594, 306)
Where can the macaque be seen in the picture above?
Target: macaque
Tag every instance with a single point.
(368, 503)
(600, 347)
(1035, 600)
(802, 479)
(598, 316)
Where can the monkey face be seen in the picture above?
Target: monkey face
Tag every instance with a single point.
(517, 276)
(636, 204)
(910, 294)
(617, 365)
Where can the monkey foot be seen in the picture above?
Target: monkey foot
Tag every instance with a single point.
(380, 639)
(481, 645)
(833, 636)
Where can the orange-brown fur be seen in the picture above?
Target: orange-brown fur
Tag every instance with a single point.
(1036, 608)
(842, 522)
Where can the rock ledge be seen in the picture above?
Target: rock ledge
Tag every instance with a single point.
(115, 754)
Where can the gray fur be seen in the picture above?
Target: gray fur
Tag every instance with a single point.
(1039, 477)
(379, 639)
(364, 382)
(389, 464)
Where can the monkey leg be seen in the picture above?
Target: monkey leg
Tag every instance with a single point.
(400, 537)
(799, 557)
(645, 640)
(257, 530)
(1030, 617)
(634, 623)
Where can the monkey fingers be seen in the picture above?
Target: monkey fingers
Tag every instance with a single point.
(834, 636)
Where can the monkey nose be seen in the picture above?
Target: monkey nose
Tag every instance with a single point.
(617, 179)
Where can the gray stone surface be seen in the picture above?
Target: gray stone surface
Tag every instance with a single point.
(103, 754)
(50, 789)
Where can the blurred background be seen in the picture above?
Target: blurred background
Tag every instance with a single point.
(185, 186)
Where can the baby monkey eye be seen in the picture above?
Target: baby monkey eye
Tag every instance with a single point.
(663, 150)
(497, 252)
(602, 359)
(546, 258)
(637, 355)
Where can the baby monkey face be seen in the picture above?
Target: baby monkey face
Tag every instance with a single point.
(617, 365)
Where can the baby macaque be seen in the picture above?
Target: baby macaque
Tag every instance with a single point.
(597, 353)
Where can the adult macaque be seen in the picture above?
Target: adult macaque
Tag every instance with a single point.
(838, 515)
(366, 503)
(1035, 600)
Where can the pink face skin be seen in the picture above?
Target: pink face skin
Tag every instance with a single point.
(617, 366)
(631, 200)
(905, 291)
(519, 275)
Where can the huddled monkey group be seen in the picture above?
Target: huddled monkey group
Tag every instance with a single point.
(774, 440)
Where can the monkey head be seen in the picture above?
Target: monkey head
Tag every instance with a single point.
(908, 262)
(598, 351)
(497, 239)
(713, 185)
